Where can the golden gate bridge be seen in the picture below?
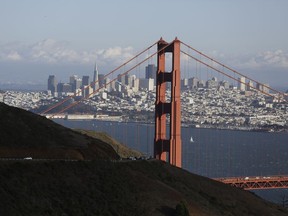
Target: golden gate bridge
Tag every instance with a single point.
(167, 139)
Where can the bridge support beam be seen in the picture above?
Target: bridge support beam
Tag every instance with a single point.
(168, 148)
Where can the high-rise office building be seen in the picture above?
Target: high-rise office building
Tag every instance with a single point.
(262, 87)
(146, 84)
(85, 80)
(60, 87)
(52, 84)
(72, 79)
(87, 91)
(184, 84)
(72, 82)
(128, 80)
(107, 84)
(118, 86)
(101, 80)
(250, 86)
(112, 85)
(95, 83)
(150, 71)
(77, 83)
(64, 88)
(135, 83)
(121, 79)
(241, 84)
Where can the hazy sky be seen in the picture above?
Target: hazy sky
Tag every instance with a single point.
(41, 37)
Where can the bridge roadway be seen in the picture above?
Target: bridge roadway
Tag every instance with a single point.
(254, 183)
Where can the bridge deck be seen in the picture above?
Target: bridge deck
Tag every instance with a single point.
(254, 183)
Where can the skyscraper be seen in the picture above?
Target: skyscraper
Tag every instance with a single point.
(72, 80)
(52, 84)
(95, 83)
(85, 80)
(128, 80)
(250, 86)
(77, 83)
(262, 87)
(241, 84)
(121, 79)
(101, 81)
(150, 71)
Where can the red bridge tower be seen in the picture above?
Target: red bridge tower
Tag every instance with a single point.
(168, 148)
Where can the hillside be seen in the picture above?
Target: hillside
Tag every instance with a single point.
(25, 134)
(122, 150)
(96, 183)
(118, 188)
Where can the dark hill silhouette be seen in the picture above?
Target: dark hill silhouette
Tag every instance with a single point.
(119, 188)
(25, 134)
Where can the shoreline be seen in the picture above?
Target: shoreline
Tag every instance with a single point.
(118, 119)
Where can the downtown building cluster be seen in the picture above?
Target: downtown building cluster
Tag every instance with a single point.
(82, 87)
(240, 103)
(128, 84)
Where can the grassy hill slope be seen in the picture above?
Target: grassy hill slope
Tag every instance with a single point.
(122, 150)
(25, 134)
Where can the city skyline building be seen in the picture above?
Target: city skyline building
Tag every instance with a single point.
(150, 71)
(52, 84)
(121, 79)
(125, 84)
(72, 80)
(101, 80)
(241, 84)
(184, 84)
(250, 86)
(262, 87)
(95, 83)
(128, 80)
(147, 84)
(85, 80)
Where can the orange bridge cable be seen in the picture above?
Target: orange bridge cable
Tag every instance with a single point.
(231, 69)
(57, 104)
(123, 74)
(93, 83)
(219, 71)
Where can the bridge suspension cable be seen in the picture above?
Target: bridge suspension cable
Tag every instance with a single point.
(93, 83)
(229, 68)
(233, 78)
(113, 80)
